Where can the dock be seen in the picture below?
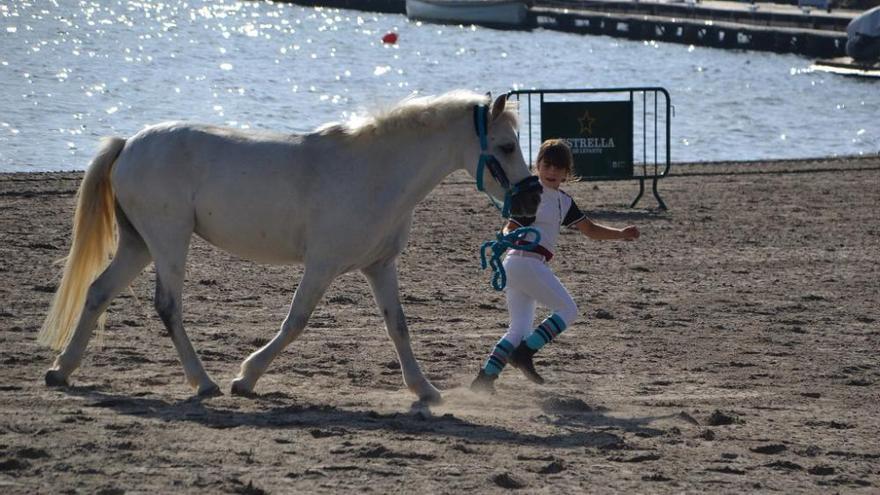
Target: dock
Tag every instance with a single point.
(781, 28)
(720, 24)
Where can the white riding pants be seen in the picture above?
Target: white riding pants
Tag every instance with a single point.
(531, 282)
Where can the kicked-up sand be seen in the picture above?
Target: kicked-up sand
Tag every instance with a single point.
(733, 348)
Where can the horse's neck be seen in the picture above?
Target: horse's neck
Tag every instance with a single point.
(428, 158)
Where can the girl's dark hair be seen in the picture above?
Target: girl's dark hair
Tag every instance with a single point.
(556, 153)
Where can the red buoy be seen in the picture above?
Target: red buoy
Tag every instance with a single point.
(390, 38)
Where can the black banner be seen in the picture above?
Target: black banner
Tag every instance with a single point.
(600, 134)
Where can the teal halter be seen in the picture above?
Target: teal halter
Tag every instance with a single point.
(512, 240)
(487, 160)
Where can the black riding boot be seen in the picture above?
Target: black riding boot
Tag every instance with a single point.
(521, 359)
(484, 384)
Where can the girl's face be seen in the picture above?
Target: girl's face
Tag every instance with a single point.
(551, 176)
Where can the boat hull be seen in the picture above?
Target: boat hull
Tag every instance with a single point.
(846, 66)
(499, 13)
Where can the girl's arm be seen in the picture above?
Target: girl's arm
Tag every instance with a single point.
(599, 232)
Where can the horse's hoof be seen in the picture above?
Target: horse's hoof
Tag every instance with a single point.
(427, 393)
(432, 398)
(54, 378)
(420, 410)
(239, 389)
(212, 391)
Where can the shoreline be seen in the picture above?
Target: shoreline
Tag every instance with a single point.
(722, 167)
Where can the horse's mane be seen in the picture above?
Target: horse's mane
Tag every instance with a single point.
(414, 112)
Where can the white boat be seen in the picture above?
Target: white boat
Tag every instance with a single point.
(493, 13)
(846, 66)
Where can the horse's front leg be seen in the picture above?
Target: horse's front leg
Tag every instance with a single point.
(383, 280)
(311, 288)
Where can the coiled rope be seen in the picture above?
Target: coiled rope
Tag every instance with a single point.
(515, 239)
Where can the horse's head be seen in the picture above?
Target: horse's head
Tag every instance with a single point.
(502, 171)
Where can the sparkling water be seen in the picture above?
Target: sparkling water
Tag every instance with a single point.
(73, 71)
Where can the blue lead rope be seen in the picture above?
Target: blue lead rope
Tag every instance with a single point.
(502, 243)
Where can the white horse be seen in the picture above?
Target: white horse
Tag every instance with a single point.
(336, 200)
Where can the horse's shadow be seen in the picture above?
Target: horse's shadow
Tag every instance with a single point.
(585, 427)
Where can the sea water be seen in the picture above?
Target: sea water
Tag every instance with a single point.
(73, 71)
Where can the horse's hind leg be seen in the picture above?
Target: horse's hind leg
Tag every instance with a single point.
(383, 280)
(170, 275)
(130, 259)
(311, 288)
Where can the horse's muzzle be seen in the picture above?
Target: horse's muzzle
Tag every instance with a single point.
(525, 197)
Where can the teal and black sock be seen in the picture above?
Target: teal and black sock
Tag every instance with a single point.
(498, 359)
(546, 332)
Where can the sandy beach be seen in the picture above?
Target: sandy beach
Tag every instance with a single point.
(732, 349)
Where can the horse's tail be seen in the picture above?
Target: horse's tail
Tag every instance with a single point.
(93, 244)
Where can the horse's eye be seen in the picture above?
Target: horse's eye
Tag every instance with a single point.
(507, 148)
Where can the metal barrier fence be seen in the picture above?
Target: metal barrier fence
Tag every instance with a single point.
(614, 133)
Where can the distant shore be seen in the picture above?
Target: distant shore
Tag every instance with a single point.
(763, 26)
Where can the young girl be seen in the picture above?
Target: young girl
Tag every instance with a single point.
(530, 281)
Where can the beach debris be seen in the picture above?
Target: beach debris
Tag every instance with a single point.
(784, 466)
(389, 38)
(687, 418)
(13, 465)
(552, 468)
(602, 314)
(32, 453)
(636, 458)
(507, 480)
(656, 477)
(859, 382)
(769, 449)
(821, 470)
(721, 418)
(726, 470)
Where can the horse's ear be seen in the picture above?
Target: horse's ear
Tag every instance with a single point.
(498, 106)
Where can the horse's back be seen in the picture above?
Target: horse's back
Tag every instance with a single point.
(192, 149)
(242, 191)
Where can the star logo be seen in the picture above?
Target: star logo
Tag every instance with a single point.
(586, 122)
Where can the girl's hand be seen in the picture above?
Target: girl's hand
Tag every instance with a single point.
(630, 233)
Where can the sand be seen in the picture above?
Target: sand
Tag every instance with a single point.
(733, 348)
